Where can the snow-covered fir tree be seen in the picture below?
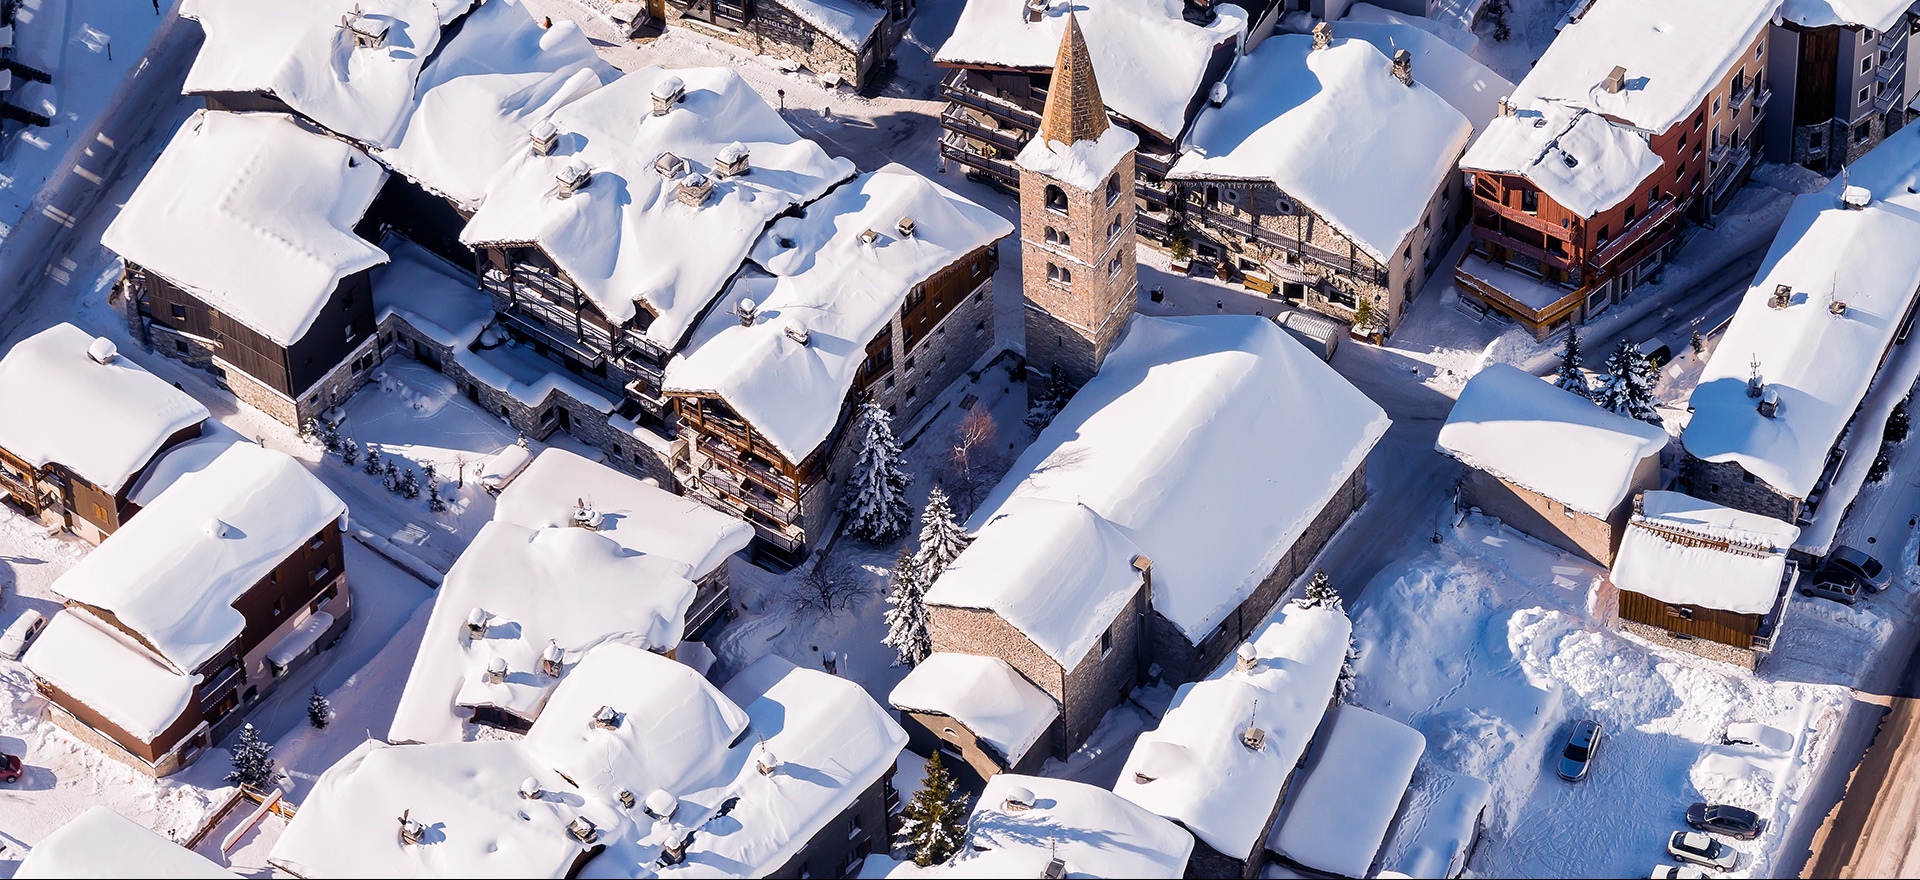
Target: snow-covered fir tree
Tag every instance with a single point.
(373, 460)
(941, 537)
(1628, 388)
(329, 436)
(1343, 686)
(907, 632)
(435, 503)
(1047, 402)
(253, 763)
(935, 821)
(390, 477)
(1321, 594)
(876, 499)
(1570, 377)
(310, 431)
(319, 711)
(349, 451)
(409, 484)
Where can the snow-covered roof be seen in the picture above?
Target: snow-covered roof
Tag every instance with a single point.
(186, 458)
(847, 22)
(1579, 159)
(301, 52)
(433, 296)
(103, 422)
(1084, 163)
(1335, 129)
(172, 573)
(1449, 24)
(1195, 769)
(1525, 431)
(1441, 821)
(1150, 62)
(101, 843)
(1471, 87)
(1660, 556)
(819, 280)
(1002, 708)
(500, 75)
(1338, 816)
(636, 514)
(1095, 832)
(1819, 363)
(252, 213)
(567, 586)
(626, 238)
(1167, 447)
(1880, 15)
(1674, 52)
(109, 673)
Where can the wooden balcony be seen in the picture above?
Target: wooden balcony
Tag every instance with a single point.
(1637, 233)
(1468, 275)
(1353, 263)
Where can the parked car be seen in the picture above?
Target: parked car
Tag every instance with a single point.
(1576, 755)
(1865, 569)
(1678, 872)
(1733, 822)
(9, 768)
(1657, 351)
(14, 641)
(1692, 846)
(1833, 585)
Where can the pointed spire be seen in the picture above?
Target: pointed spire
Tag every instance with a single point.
(1074, 111)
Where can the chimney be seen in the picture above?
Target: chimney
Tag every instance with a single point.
(669, 166)
(1246, 657)
(1837, 307)
(583, 829)
(694, 189)
(1507, 107)
(102, 351)
(585, 517)
(1019, 799)
(869, 236)
(1218, 94)
(905, 227)
(1770, 402)
(573, 178)
(1781, 298)
(552, 660)
(676, 852)
(606, 719)
(410, 831)
(477, 623)
(1253, 738)
(1855, 197)
(366, 33)
(497, 670)
(1322, 36)
(626, 798)
(746, 311)
(530, 789)
(544, 137)
(666, 93)
(732, 160)
(1403, 67)
(795, 331)
(764, 760)
(1056, 869)
(1034, 11)
(661, 804)
(1754, 383)
(1616, 80)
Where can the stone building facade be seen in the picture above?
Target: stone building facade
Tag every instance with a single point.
(1548, 520)
(971, 760)
(1837, 90)
(777, 29)
(1727, 483)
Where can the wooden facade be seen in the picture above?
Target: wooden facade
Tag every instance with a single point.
(1692, 621)
(58, 496)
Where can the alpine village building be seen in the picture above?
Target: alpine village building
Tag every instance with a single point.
(1839, 80)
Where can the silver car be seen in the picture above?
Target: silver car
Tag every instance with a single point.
(1698, 848)
(1576, 754)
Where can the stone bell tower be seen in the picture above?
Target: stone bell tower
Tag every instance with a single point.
(1076, 223)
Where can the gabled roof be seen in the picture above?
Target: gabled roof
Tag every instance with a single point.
(103, 422)
(253, 213)
(850, 23)
(816, 278)
(1879, 15)
(1579, 159)
(106, 671)
(102, 843)
(1095, 832)
(984, 693)
(637, 515)
(1471, 87)
(1341, 806)
(1662, 557)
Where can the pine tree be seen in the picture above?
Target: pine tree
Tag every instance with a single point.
(1363, 315)
(941, 538)
(253, 763)
(1628, 388)
(1570, 377)
(310, 431)
(391, 477)
(936, 819)
(349, 451)
(907, 632)
(1321, 594)
(409, 484)
(435, 503)
(329, 436)
(1898, 424)
(428, 472)
(1698, 344)
(319, 711)
(373, 460)
(1047, 402)
(876, 499)
(1344, 685)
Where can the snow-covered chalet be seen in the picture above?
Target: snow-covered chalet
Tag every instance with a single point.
(842, 41)
(103, 843)
(1837, 80)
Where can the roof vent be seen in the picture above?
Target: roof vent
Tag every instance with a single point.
(530, 789)
(868, 236)
(669, 166)
(1322, 36)
(497, 670)
(1403, 67)
(1770, 402)
(676, 852)
(1855, 197)
(1035, 10)
(585, 517)
(626, 798)
(218, 529)
(1056, 869)
(666, 93)
(1781, 298)
(905, 226)
(410, 831)
(732, 160)
(1837, 307)
(661, 804)
(606, 719)
(746, 311)
(1507, 107)
(573, 178)
(1141, 563)
(1253, 738)
(763, 759)
(694, 189)
(477, 623)
(1019, 799)
(1616, 80)
(583, 829)
(552, 660)
(796, 332)
(103, 351)
(1142, 777)
(367, 33)
(1218, 94)
(1246, 657)
(544, 136)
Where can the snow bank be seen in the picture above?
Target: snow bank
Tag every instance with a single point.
(172, 573)
(190, 457)
(253, 214)
(1525, 431)
(1195, 768)
(1674, 52)
(499, 76)
(637, 515)
(1579, 159)
(1083, 164)
(298, 51)
(1150, 62)
(1878, 15)
(1819, 363)
(1093, 831)
(1438, 62)
(1438, 826)
(566, 586)
(1312, 123)
(1744, 580)
(847, 22)
(104, 844)
(1002, 708)
(109, 674)
(1170, 447)
(825, 284)
(1338, 816)
(626, 238)
(103, 422)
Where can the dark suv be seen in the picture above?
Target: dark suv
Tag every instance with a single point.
(1733, 822)
(1866, 570)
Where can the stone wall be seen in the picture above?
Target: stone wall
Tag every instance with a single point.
(1707, 648)
(938, 359)
(1555, 523)
(1073, 322)
(776, 32)
(1727, 483)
